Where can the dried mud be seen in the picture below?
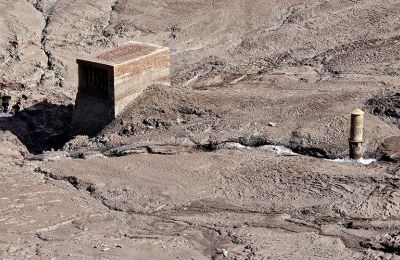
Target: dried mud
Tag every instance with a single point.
(231, 161)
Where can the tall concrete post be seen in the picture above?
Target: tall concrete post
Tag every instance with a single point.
(356, 134)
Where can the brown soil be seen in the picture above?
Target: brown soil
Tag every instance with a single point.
(205, 167)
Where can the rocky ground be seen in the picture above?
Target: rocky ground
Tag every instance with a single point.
(236, 160)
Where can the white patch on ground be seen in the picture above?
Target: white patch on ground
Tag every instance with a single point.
(280, 150)
(364, 161)
(234, 146)
(2, 114)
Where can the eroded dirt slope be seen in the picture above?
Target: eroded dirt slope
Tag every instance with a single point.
(188, 171)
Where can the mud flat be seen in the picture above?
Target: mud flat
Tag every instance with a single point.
(252, 203)
(238, 159)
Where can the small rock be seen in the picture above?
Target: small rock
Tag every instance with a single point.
(105, 249)
(119, 246)
(272, 124)
(225, 252)
(389, 150)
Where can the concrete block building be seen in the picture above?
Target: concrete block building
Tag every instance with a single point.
(110, 80)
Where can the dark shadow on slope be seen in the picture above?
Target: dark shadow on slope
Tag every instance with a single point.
(43, 126)
(386, 106)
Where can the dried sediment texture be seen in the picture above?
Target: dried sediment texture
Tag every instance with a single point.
(331, 52)
(342, 36)
(250, 72)
(252, 203)
(125, 53)
(22, 58)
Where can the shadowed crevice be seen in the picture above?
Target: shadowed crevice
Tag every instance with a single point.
(43, 126)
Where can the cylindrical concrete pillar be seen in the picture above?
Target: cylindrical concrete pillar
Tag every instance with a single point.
(356, 134)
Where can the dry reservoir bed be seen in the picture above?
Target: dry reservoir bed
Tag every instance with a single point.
(253, 204)
(165, 180)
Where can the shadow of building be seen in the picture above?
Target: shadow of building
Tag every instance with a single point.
(43, 126)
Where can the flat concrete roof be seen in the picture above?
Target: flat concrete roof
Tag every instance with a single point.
(124, 53)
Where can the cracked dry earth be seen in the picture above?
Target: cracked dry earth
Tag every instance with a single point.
(202, 169)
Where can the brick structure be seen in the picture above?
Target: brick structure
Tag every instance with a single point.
(109, 81)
